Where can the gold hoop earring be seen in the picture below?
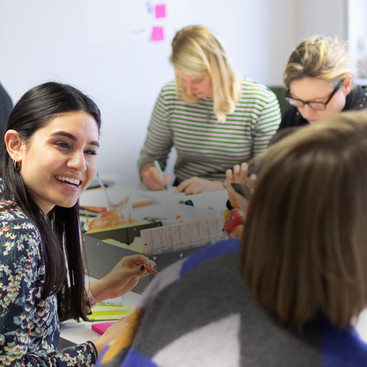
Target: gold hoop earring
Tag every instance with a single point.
(16, 165)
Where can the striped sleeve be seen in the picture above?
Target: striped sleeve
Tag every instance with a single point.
(266, 115)
(205, 146)
(158, 141)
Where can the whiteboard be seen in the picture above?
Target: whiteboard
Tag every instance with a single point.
(105, 49)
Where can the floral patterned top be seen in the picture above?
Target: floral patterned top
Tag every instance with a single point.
(29, 326)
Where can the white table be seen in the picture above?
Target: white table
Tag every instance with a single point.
(77, 333)
(189, 226)
(215, 200)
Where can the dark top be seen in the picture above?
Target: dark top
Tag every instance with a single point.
(29, 324)
(6, 105)
(356, 100)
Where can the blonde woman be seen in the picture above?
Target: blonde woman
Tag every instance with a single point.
(319, 79)
(213, 118)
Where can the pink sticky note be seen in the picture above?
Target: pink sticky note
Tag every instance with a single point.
(101, 328)
(160, 11)
(157, 33)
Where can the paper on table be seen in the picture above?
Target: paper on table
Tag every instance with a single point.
(172, 213)
(215, 200)
(182, 235)
(208, 200)
(109, 311)
(97, 197)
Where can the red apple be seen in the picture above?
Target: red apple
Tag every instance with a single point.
(237, 231)
(234, 218)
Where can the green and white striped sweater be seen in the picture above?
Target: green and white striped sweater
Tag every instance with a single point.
(204, 146)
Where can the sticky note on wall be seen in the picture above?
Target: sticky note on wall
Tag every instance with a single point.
(160, 11)
(157, 33)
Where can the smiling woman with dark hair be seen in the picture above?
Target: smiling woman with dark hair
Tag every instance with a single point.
(51, 145)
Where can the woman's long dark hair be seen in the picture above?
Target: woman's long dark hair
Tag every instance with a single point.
(62, 244)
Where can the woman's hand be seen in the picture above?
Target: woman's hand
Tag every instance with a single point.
(196, 185)
(123, 277)
(239, 175)
(152, 179)
(112, 333)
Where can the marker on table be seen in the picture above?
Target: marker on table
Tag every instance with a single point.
(157, 165)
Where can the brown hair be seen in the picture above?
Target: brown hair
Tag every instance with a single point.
(318, 57)
(196, 50)
(304, 250)
(61, 241)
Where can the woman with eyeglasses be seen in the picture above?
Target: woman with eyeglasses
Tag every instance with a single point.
(319, 79)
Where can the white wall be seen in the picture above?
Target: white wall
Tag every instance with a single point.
(325, 17)
(357, 35)
(103, 48)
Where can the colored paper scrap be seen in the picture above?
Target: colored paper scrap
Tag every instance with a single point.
(160, 11)
(102, 327)
(157, 33)
(109, 312)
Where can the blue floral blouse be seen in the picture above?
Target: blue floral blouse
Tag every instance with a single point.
(29, 326)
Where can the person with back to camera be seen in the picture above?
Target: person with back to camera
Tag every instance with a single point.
(51, 143)
(319, 79)
(288, 292)
(213, 118)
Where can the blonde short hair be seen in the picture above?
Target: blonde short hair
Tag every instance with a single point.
(318, 57)
(304, 250)
(196, 51)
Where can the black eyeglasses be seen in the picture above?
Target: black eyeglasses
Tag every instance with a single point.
(319, 106)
